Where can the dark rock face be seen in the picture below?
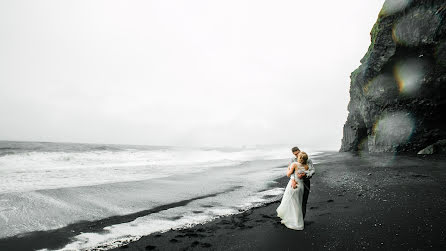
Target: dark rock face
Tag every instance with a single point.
(397, 94)
(437, 148)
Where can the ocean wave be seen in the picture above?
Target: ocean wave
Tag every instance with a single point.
(36, 166)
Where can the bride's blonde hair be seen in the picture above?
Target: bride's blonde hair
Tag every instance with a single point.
(303, 159)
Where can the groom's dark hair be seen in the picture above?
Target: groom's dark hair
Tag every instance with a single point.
(295, 149)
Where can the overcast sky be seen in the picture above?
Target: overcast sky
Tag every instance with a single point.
(206, 73)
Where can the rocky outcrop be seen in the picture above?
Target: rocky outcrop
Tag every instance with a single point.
(437, 148)
(397, 94)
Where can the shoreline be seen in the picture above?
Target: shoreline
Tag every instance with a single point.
(59, 237)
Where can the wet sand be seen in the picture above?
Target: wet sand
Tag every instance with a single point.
(356, 202)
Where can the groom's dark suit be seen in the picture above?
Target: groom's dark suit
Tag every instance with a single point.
(307, 184)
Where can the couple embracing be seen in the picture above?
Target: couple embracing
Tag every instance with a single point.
(293, 207)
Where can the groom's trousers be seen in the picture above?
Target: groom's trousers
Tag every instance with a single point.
(305, 196)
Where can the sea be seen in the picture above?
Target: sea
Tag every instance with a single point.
(46, 186)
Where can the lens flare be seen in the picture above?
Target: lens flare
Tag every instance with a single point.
(393, 6)
(382, 88)
(410, 75)
(417, 27)
(392, 130)
(363, 146)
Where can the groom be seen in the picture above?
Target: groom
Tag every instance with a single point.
(305, 177)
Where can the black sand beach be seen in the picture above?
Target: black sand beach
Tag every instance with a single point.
(356, 202)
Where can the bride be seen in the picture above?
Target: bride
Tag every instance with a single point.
(290, 209)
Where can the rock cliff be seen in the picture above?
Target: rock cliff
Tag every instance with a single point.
(397, 94)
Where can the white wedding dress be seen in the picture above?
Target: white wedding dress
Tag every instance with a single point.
(290, 208)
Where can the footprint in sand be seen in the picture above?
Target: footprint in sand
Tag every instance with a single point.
(324, 214)
(206, 245)
(212, 229)
(307, 223)
(203, 245)
(225, 222)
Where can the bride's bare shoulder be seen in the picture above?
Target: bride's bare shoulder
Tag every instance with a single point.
(298, 164)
